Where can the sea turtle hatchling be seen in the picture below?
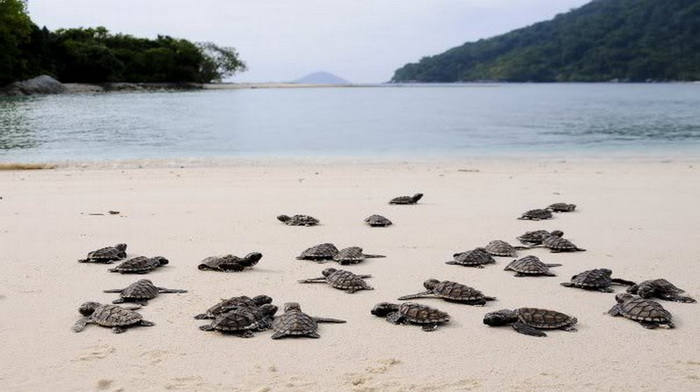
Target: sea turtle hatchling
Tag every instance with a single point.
(294, 322)
(341, 280)
(243, 321)
(599, 279)
(452, 292)
(558, 244)
(229, 263)
(406, 199)
(530, 266)
(298, 220)
(659, 288)
(140, 292)
(140, 265)
(561, 207)
(529, 321)
(352, 255)
(377, 221)
(112, 316)
(536, 237)
(227, 305)
(319, 253)
(536, 214)
(472, 258)
(647, 312)
(502, 248)
(106, 255)
(411, 313)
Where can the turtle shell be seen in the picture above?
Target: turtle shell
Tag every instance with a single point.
(227, 263)
(106, 255)
(562, 207)
(422, 314)
(141, 289)
(474, 257)
(595, 278)
(139, 265)
(454, 291)
(232, 303)
(559, 244)
(658, 285)
(377, 221)
(530, 265)
(115, 316)
(294, 322)
(543, 318)
(533, 237)
(500, 248)
(536, 214)
(406, 199)
(346, 280)
(324, 251)
(239, 319)
(298, 220)
(640, 309)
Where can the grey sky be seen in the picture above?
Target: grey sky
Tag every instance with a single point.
(281, 40)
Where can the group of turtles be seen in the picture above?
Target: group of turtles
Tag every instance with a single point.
(243, 316)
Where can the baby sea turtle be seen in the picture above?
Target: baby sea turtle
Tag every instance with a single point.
(352, 255)
(227, 305)
(243, 321)
(536, 237)
(529, 321)
(377, 221)
(558, 244)
(107, 255)
(660, 288)
(229, 263)
(502, 248)
(450, 291)
(319, 252)
(596, 279)
(647, 312)
(140, 265)
(530, 266)
(472, 258)
(298, 220)
(341, 280)
(409, 312)
(140, 292)
(112, 316)
(536, 214)
(406, 199)
(561, 207)
(294, 322)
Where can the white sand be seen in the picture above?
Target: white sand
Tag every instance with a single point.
(639, 218)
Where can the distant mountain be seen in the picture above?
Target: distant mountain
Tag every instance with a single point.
(321, 78)
(604, 40)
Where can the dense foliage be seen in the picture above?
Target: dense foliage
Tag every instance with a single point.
(93, 55)
(625, 40)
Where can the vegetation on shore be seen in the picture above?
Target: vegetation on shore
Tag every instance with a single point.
(604, 40)
(94, 55)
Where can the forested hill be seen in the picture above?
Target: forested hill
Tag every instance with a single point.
(624, 40)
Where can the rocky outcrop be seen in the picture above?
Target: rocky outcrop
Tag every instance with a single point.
(43, 84)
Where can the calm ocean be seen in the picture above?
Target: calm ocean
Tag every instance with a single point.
(387, 121)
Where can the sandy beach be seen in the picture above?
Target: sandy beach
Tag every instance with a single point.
(638, 217)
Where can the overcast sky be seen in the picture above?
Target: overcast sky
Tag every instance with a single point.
(363, 41)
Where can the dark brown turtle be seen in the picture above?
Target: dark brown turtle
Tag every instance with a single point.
(599, 279)
(646, 312)
(298, 220)
(140, 292)
(450, 291)
(116, 317)
(229, 263)
(294, 322)
(559, 244)
(530, 266)
(243, 321)
(536, 237)
(377, 221)
(341, 280)
(472, 258)
(561, 207)
(536, 214)
(411, 313)
(107, 255)
(529, 321)
(227, 305)
(352, 255)
(406, 199)
(502, 249)
(659, 288)
(140, 265)
(320, 252)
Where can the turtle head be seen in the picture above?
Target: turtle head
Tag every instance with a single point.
(606, 271)
(120, 247)
(501, 317)
(162, 260)
(623, 297)
(289, 306)
(431, 283)
(262, 300)
(416, 197)
(88, 308)
(557, 233)
(328, 271)
(384, 308)
(283, 218)
(268, 309)
(252, 258)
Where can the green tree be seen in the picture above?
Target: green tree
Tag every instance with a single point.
(15, 30)
(219, 63)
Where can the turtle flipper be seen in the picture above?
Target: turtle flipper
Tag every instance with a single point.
(314, 335)
(678, 298)
(170, 291)
(606, 289)
(552, 265)
(394, 318)
(113, 291)
(118, 301)
(374, 256)
(422, 294)
(313, 280)
(649, 325)
(118, 329)
(615, 310)
(623, 282)
(528, 330)
(328, 320)
(207, 327)
(277, 335)
(451, 262)
(145, 323)
(81, 324)
(364, 276)
(429, 327)
(201, 316)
